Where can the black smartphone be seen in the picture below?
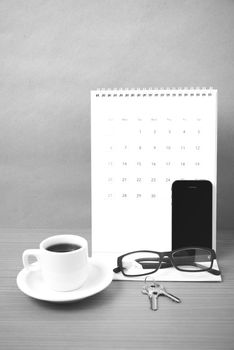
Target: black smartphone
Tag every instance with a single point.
(191, 213)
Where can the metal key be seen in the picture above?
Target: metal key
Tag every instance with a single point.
(153, 296)
(161, 290)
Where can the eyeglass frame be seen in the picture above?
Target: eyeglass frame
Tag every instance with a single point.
(168, 254)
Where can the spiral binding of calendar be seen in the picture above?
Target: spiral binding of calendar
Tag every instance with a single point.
(155, 92)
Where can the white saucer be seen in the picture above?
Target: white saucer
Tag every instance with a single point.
(31, 283)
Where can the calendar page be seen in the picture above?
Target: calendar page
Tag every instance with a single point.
(142, 141)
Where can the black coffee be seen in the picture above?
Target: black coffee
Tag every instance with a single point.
(63, 247)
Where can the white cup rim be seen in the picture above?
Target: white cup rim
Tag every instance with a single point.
(66, 238)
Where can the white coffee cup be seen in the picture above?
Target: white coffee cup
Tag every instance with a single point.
(61, 271)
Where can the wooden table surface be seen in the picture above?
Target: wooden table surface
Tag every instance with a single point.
(119, 316)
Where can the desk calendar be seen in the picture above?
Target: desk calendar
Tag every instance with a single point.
(142, 141)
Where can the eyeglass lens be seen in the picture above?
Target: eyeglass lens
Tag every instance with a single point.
(194, 259)
(140, 263)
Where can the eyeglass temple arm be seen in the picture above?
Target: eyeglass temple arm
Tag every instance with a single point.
(167, 263)
(212, 271)
(117, 269)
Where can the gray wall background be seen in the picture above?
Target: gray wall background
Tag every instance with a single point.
(52, 53)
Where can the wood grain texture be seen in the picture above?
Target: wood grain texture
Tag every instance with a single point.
(119, 317)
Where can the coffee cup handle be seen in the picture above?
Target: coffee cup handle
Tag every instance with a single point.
(31, 252)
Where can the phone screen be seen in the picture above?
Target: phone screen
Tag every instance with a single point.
(191, 213)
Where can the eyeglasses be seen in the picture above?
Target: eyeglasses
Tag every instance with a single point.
(145, 262)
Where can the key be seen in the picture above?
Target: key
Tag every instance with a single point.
(171, 296)
(161, 290)
(153, 297)
(154, 301)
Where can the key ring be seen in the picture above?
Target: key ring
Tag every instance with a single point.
(153, 282)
